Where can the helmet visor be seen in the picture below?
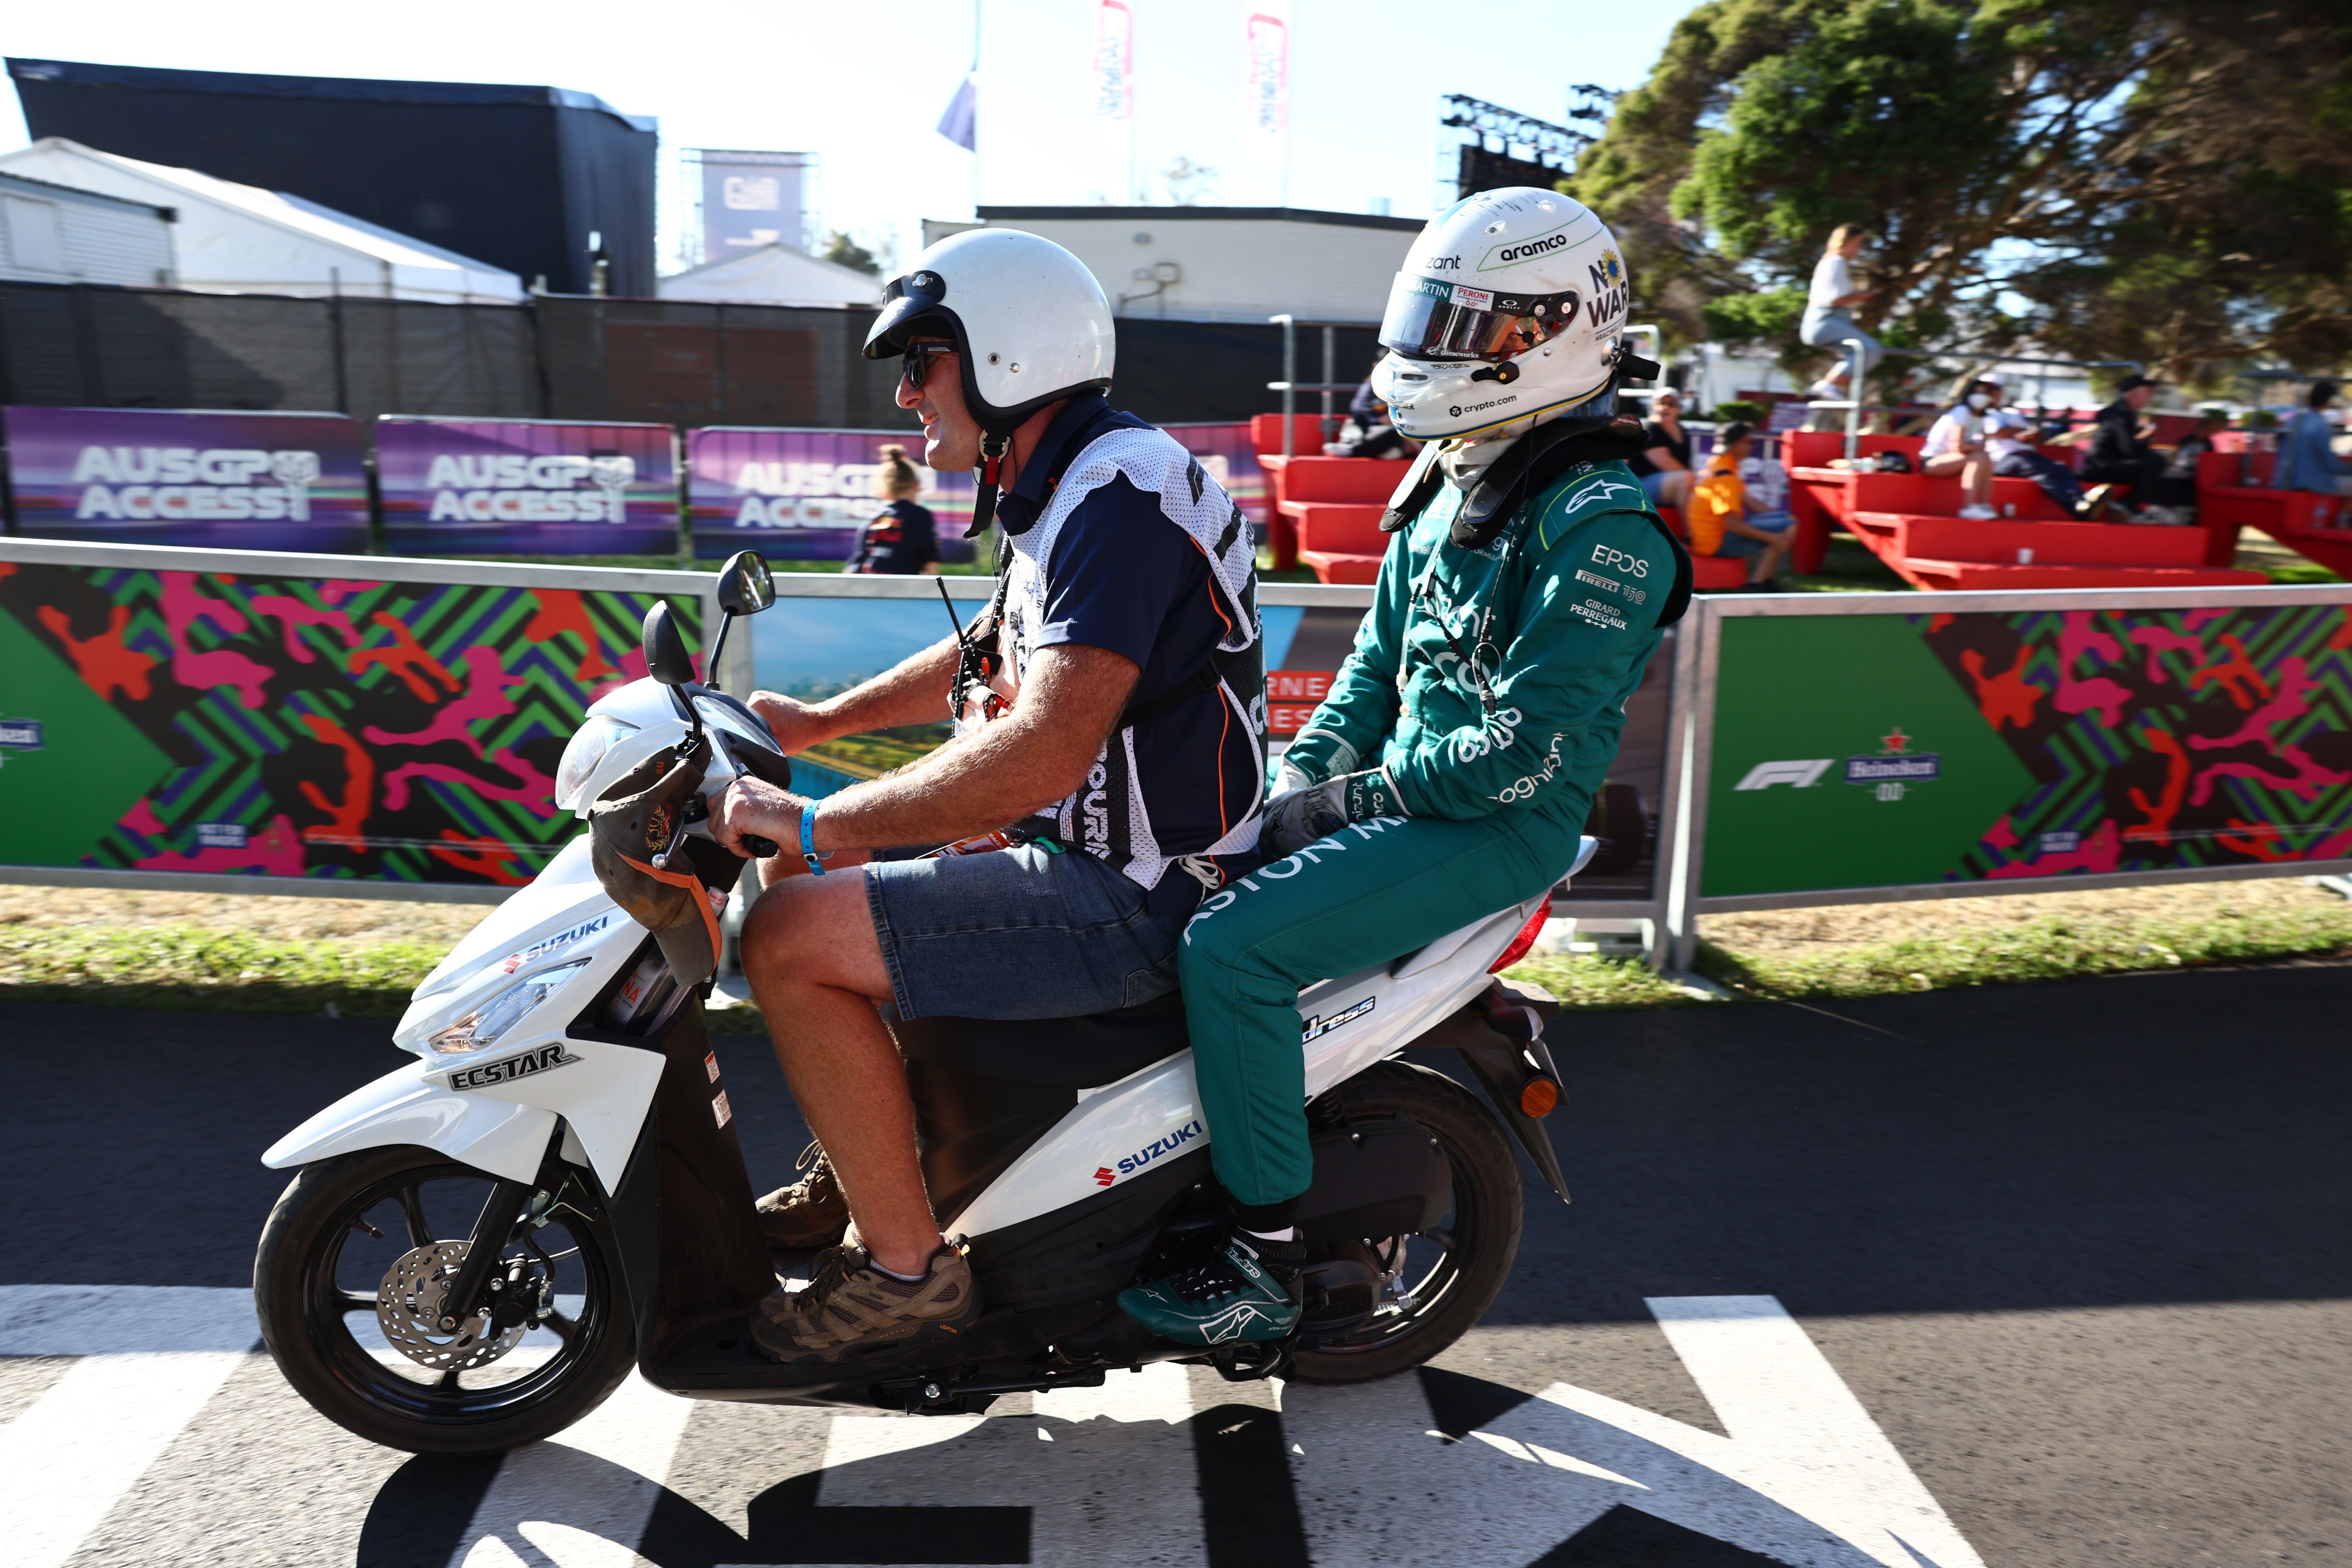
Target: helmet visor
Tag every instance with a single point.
(1428, 319)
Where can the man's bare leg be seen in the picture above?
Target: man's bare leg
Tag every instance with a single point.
(816, 970)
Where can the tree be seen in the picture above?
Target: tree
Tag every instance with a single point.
(839, 247)
(2144, 179)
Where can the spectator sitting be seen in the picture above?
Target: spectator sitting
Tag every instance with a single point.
(2307, 452)
(1663, 463)
(2176, 493)
(1368, 433)
(1956, 444)
(2120, 453)
(1826, 325)
(901, 540)
(1720, 520)
(2010, 437)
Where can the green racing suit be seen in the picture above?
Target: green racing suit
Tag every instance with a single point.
(1495, 789)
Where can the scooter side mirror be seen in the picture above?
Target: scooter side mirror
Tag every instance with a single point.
(744, 587)
(666, 656)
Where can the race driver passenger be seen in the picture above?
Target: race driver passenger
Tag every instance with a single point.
(1449, 773)
(1108, 714)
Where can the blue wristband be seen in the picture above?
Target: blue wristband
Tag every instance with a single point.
(808, 839)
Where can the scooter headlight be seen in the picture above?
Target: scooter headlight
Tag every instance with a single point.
(483, 1026)
(589, 745)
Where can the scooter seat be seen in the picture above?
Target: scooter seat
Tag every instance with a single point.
(1055, 1053)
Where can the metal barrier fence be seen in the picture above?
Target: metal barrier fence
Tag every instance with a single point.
(355, 726)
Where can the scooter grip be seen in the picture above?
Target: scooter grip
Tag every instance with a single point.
(760, 849)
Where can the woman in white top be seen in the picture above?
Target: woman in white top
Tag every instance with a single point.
(1826, 323)
(1957, 444)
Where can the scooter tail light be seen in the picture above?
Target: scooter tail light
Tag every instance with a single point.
(1538, 1097)
(1524, 940)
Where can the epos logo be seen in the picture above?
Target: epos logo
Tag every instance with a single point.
(1618, 560)
(1802, 774)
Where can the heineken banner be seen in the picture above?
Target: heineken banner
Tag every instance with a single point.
(526, 486)
(1869, 751)
(228, 481)
(299, 726)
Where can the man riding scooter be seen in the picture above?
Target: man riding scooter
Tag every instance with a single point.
(1107, 710)
(1452, 767)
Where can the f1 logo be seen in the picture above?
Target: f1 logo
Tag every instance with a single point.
(1799, 775)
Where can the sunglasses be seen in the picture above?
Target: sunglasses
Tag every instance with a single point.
(916, 369)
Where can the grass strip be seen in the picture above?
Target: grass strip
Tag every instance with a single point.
(190, 967)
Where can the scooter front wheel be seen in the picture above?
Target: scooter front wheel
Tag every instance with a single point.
(347, 1283)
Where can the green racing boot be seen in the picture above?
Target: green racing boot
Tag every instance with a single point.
(1246, 1292)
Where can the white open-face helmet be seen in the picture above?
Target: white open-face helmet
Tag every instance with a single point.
(1029, 322)
(1509, 313)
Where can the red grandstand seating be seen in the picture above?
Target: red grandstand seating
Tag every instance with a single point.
(2310, 525)
(1330, 510)
(1910, 521)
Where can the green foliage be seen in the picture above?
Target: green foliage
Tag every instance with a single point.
(1736, 320)
(1739, 408)
(2153, 179)
(839, 247)
(187, 966)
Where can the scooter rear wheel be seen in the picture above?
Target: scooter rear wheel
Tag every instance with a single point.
(340, 1232)
(1452, 1273)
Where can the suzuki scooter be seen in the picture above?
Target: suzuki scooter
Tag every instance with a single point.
(478, 1247)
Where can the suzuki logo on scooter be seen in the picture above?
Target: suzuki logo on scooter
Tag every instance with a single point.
(587, 928)
(541, 1059)
(1136, 1162)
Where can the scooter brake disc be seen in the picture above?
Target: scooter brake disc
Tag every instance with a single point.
(408, 1307)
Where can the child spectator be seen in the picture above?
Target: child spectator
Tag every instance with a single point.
(901, 540)
(1956, 444)
(1720, 520)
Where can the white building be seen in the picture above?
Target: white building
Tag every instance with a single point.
(1224, 264)
(241, 239)
(53, 234)
(775, 275)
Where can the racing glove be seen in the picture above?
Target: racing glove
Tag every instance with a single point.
(1300, 816)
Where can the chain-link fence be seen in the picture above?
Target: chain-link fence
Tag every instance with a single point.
(556, 357)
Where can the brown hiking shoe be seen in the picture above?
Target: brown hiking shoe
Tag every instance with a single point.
(810, 1212)
(853, 1309)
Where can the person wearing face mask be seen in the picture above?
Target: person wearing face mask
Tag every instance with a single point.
(1957, 446)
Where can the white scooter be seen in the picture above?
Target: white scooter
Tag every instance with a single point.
(478, 1247)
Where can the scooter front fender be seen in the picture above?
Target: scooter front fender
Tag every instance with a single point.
(499, 1136)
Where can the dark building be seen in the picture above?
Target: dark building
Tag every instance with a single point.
(520, 177)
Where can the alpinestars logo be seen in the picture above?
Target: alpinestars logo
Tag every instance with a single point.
(538, 1060)
(1156, 1149)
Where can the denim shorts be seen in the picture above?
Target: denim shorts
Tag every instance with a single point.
(1020, 933)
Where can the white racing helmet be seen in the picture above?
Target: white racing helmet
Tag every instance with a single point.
(1509, 313)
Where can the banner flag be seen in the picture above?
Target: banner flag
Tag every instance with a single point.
(1114, 62)
(801, 495)
(228, 480)
(960, 122)
(526, 486)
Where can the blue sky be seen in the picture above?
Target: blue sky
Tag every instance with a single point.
(863, 86)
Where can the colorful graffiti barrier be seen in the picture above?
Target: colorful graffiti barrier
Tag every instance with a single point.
(1890, 751)
(328, 730)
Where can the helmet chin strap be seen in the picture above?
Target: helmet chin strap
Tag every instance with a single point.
(995, 446)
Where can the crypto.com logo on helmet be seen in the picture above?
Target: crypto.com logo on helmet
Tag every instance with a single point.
(1507, 314)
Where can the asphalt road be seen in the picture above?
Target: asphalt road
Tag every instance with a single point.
(2068, 1261)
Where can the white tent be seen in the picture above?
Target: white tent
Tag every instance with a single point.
(775, 275)
(241, 239)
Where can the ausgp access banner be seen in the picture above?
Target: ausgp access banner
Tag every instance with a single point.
(526, 486)
(227, 481)
(1862, 751)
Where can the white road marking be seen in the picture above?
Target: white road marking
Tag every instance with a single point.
(65, 1459)
(1805, 1476)
(582, 1499)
